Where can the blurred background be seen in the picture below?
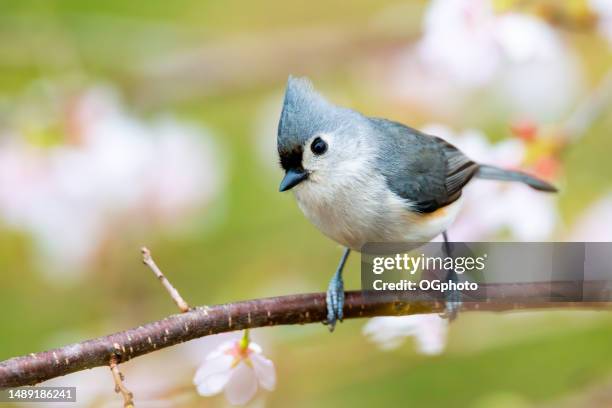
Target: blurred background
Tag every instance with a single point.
(153, 123)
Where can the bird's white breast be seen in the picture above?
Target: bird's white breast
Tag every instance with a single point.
(355, 207)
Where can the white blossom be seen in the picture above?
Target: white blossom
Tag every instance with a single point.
(459, 38)
(603, 9)
(109, 166)
(389, 332)
(466, 47)
(238, 368)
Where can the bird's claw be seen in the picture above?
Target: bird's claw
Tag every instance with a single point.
(335, 302)
(452, 299)
(451, 310)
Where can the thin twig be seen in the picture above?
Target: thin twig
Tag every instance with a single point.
(147, 259)
(283, 310)
(128, 397)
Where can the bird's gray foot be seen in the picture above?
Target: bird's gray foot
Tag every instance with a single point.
(335, 295)
(452, 297)
(335, 301)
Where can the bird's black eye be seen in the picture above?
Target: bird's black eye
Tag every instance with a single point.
(318, 146)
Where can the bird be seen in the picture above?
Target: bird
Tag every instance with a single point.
(362, 179)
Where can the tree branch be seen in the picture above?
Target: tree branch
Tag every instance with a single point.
(284, 310)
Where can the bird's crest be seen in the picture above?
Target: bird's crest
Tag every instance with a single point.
(304, 113)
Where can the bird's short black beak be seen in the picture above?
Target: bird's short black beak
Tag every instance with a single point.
(292, 178)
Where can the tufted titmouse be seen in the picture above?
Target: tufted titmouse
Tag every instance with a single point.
(361, 179)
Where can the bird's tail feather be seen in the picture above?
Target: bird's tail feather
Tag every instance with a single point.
(495, 173)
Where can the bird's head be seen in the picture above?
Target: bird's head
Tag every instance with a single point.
(316, 139)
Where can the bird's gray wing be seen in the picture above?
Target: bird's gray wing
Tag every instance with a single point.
(425, 170)
(459, 168)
